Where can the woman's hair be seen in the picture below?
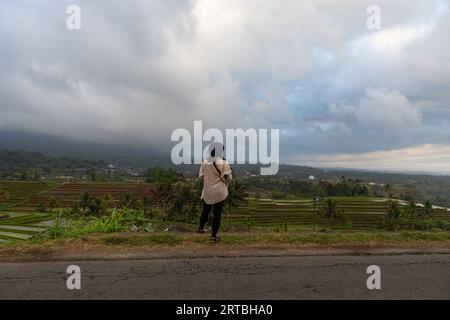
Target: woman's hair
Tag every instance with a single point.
(214, 146)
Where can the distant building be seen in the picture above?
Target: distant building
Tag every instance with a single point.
(64, 177)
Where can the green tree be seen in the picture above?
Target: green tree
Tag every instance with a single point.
(393, 210)
(393, 217)
(95, 205)
(108, 201)
(165, 194)
(237, 191)
(146, 205)
(161, 175)
(84, 201)
(127, 201)
(331, 210)
(184, 203)
(411, 212)
(100, 205)
(4, 196)
(428, 209)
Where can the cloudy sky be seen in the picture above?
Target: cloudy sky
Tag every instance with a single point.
(341, 94)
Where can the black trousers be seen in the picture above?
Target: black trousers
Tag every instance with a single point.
(217, 212)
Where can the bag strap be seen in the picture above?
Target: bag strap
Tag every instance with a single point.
(217, 169)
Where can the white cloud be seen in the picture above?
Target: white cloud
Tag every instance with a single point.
(427, 158)
(380, 109)
(386, 110)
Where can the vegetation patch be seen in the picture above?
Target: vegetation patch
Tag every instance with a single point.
(161, 239)
(337, 238)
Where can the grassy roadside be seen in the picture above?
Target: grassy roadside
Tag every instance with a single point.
(302, 239)
(248, 239)
(129, 230)
(160, 245)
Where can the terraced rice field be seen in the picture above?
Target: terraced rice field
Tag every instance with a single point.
(65, 195)
(22, 225)
(20, 191)
(364, 213)
(25, 197)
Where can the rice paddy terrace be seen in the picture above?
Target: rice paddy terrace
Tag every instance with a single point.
(20, 191)
(363, 213)
(21, 225)
(17, 225)
(66, 194)
(19, 219)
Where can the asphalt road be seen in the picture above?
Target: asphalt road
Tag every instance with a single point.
(308, 277)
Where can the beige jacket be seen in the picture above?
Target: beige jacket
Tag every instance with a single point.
(215, 186)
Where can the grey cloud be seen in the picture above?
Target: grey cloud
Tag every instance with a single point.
(139, 69)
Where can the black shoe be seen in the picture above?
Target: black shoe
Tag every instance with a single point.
(215, 239)
(201, 231)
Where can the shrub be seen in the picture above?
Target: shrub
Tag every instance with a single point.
(278, 195)
(116, 221)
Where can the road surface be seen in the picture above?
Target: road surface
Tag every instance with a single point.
(307, 277)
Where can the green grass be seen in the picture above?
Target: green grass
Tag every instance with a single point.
(328, 238)
(160, 239)
(261, 238)
(333, 239)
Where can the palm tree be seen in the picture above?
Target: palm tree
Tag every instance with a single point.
(331, 210)
(411, 212)
(393, 210)
(165, 193)
(84, 200)
(393, 214)
(95, 205)
(108, 201)
(127, 201)
(237, 191)
(428, 208)
(146, 204)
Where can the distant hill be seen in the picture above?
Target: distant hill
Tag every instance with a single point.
(420, 187)
(28, 165)
(43, 153)
(65, 147)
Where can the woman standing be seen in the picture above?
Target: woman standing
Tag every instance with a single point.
(216, 175)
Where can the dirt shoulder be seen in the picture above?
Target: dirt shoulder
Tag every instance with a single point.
(122, 246)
